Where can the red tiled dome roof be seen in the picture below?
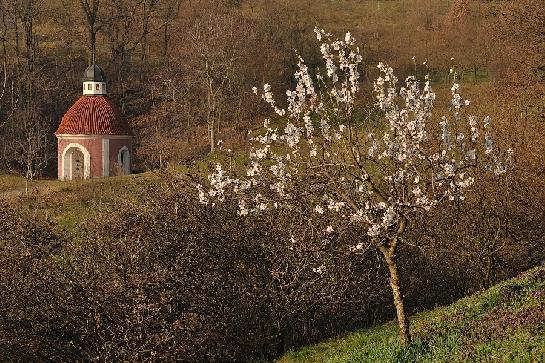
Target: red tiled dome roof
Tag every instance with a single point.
(93, 115)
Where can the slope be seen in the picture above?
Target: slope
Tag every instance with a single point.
(503, 324)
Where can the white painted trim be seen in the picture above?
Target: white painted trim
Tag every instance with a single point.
(126, 166)
(70, 167)
(93, 137)
(94, 91)
(67, 168)
(105, 157)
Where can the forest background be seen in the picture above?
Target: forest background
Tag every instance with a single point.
(182, 71)
(141, 271)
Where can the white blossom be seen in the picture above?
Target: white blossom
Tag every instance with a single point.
(318, 270)
(242, 208)
(374, 176)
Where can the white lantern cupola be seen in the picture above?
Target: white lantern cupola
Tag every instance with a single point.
(94, 81)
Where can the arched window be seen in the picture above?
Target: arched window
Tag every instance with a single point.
(124, 160)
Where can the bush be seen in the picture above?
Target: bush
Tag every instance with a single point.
(166, 278)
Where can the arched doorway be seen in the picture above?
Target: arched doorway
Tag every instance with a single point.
(78, 163)
(124, 160)
(75, 163)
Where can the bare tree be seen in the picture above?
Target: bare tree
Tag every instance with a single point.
(518, 27)
(168, 12)
(91, 12)
(216, 46)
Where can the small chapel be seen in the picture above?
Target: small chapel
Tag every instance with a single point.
(94, 139)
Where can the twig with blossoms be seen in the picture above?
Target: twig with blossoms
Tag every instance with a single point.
(373, 176)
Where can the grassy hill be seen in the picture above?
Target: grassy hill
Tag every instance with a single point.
(68, 203)
(503, 324)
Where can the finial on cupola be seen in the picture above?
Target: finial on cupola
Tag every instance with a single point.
(94, 81)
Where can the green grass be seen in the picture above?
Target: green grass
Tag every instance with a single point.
(503, 324)
(10, 182)
(70, 203)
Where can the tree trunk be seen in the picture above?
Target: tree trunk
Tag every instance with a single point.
(388, 249)
(211, 112)
(212, 130)
(402, 320)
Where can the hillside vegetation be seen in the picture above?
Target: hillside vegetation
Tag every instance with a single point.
(140, 268)
(505, 323)
(70, 203)
(133, 267)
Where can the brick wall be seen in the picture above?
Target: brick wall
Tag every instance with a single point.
(94, 146)
(115, 146)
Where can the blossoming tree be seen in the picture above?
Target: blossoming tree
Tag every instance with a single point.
(376, 175)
